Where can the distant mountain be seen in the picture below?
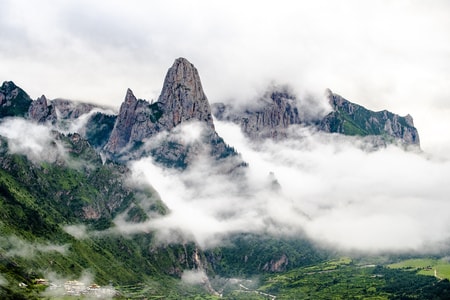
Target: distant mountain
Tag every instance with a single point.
(275, 113)
(268, 118)
(352, 119)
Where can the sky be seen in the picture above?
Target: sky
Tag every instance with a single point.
(392, 55)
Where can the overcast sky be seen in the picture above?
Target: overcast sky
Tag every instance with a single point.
(391, 55)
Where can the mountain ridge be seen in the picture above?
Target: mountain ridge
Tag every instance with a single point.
(74, 201)
(279, 109)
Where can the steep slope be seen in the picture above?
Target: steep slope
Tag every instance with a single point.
(182, 103)
(57, 222)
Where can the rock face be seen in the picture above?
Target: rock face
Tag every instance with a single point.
(352, 119)
(67, 109)
(270, 118)
(182, 101)
(14, 102)
(41, 112)
(182, 97)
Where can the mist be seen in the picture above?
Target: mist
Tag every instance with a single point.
(382, 54)
(326, 187)
(13, 246)
(35, 141)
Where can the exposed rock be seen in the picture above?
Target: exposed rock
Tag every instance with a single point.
(352, 119)
(67, 109)
(182, 96)
(14, 102)
(182, 101)
(271, 117)
(41, 112)
(278, 265)
(125, 122)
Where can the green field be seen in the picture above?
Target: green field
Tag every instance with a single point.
(425, 266)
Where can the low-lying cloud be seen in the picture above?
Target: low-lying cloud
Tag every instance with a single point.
(33, 140)
(3, 281)
(324, 186)
(13, 246)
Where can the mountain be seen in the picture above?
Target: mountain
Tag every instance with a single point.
(352, 119)
(63, 203)
(58, 223)
(13, 100)
(278, 110)
(182, 99)
(269, 118)
(182, 102)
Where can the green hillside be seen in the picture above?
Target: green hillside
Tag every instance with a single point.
(39, 200)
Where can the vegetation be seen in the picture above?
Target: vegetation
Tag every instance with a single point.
(345, 279)
(251, 254)
(15, 102)
(38, 200)
(99, 128)
(440, 268)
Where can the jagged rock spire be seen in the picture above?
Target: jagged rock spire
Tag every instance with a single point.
(40, 111)
(183, 97)
(123, 127)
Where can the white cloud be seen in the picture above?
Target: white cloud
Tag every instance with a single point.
(332, 191)
(14, 246)
(382, 54)
(35, 141)
(194, 277)
(3, 281)
(77, 231)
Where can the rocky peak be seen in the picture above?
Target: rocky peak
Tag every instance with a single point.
(182, 99)
(278, 110)
(182, 96)
(40, 111)
(270, 117)
(353, 119)
(14, 102)
(67, 109)
(125, 122)
(8, 88)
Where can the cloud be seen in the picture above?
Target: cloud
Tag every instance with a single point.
(35, 141)
(77, 231)
(329, 188)
(383, 54)
(78, 125)
(194, 277)
(14, 246)
(3, 281)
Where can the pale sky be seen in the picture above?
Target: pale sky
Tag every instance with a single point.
(391, 55)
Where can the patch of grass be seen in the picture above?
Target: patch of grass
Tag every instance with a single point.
(425, 266)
